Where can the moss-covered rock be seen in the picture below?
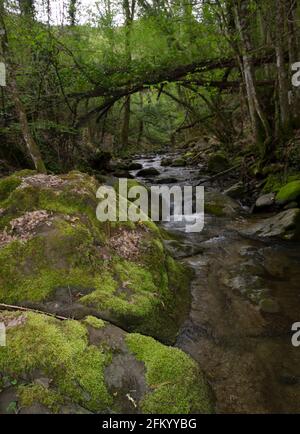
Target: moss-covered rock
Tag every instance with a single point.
(56, 256)
(179, 162)
(77, 367)
(177, 384)
(220, 205)
(217, 162)
(289, 192)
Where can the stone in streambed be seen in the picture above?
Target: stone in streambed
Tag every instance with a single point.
(265, 201)
(166, 180)
(166, 162)
(291, 205)
(134, 166)
(220, 205)
(285, 225)
(178, 162)
(148, 171)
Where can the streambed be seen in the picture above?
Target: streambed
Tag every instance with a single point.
(245, 298)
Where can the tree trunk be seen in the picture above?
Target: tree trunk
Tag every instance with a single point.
(129, 14)
(31, 145)
(259, 122)
(126, 122)
(283, 87)
(141, 126)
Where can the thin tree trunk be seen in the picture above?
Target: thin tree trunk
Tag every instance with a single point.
(129, 14)
(141, 126)
(283, 87)
(31, 145)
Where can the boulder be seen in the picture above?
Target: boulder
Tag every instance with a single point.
(166, 162)
(217, 162)
(148, 171)
(166, 180)
(219, 204)
(285, 225)
(134, 166)
(56, 256)
(94, 367)
(178, 162)
(265, 201)
(122, 174)
(288, 193)
(235, 191)
(291, 205)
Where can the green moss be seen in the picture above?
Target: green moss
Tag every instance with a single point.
(33, 270)
(92, 321)
(273, 184)
(60, 350)
(176, 382)
(217, 162)
(135, 299)
(289, 192)
(214, 209)
(8, 185)
(30, 394)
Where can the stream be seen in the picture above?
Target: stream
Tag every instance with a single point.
(241, 343)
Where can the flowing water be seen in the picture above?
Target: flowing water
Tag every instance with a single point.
(242, 343)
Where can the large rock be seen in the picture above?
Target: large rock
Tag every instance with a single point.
(235, 191)
(57, 257)
(67, 366)
(166, 162)
(148, 171)
(284, 225)
(166, 180)
(265, 201)
(289, 193)
(179, 162)
(217, 162)
(220, 205)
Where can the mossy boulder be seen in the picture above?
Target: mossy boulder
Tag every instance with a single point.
(166, 162)
(147, 172)
(66, 366)
(217, 162)
(179, 162)
(220, 205)
(289, 192)
(57, 257)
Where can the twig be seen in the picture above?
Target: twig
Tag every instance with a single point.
(4, 306)
(212, 178)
